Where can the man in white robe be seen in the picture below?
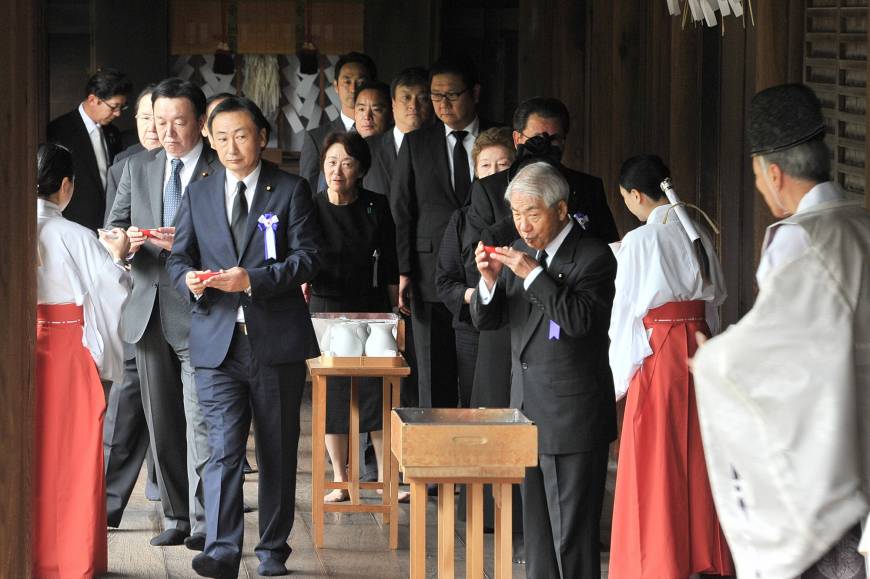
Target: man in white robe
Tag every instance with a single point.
(784, 395)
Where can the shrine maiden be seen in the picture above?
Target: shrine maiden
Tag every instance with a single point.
(664, 521)
(81, 288)
(784, 395)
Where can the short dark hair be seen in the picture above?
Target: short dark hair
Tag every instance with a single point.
(149, 88)
(240, 103)
(217, 97)
(644, 173)
(53, 163)
(461, 66)
(358, 58)
(353, 144)
(374, 85)
(174, 88)
(546, 107)
(413, 76)
(107, 83)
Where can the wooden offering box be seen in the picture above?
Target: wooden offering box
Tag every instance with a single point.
(472, 446)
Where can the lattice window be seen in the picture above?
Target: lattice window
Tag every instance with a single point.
(835, 66)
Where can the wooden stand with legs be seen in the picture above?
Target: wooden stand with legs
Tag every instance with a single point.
(391, 370)
(474, 447)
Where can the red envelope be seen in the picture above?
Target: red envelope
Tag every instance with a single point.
(489, 248)
(206, 275)
(148, 232)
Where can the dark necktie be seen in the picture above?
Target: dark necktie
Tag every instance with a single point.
(542, 259)
(172, 193)
(461, 172)
(239, 217)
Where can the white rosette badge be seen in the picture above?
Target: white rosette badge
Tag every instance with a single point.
(268, 224)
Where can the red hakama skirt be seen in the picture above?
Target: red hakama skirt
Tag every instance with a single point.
(664, 521)
(69, 498)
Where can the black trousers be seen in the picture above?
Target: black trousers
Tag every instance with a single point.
(125, 442)
(435, 347)
(562, 499)
(228, 395)
(466, 361)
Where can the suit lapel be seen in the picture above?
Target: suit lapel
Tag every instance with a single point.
(259, 205)
(155, 171)
(206, 164)
(218, 209)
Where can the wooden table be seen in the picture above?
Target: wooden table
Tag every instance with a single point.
(391, 370)
(475, 447)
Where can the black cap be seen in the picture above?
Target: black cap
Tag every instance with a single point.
(782, 117)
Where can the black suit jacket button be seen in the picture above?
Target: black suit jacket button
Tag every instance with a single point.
(524, 366)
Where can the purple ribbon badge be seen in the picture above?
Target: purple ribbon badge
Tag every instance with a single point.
(555, 330)
(582, 219)
(268, 224)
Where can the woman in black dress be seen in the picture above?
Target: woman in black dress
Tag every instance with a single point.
(359, 274)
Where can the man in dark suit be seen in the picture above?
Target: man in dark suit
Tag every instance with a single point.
(251, 331)
(554, 287)
(431, 180)
(155, 317)
(88, 133)
(412, 109)
(489, 218)
(350, 70)
(125, 431)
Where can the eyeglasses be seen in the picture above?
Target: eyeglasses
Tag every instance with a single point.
(452, 97)
(115, 107)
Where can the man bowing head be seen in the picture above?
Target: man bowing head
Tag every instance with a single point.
(245, 241)
(554, 287)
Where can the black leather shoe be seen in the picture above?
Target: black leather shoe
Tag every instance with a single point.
(209, 567)
(169, 537)
(195, 542)
(272, 568)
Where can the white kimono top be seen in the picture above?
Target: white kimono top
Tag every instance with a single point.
(656, 264)
(76, 268)
(784, 396)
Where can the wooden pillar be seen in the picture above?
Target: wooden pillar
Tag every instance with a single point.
(20, 97)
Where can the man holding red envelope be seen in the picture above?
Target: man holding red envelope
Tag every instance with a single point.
(245, 241)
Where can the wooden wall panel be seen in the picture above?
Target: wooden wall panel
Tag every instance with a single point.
(21, 97)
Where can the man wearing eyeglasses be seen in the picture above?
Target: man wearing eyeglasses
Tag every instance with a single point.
(88, 133)
(431, 179)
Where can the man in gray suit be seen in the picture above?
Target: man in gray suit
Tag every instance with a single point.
(156, 319)
(125, 432)
(350, 71)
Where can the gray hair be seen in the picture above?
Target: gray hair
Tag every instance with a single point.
(810, 161)
(539, 180)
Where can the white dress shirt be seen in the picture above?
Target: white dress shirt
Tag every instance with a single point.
(786, 241)
(348, 122)
(398, 137)
(98, 143)
(76, 268)
(473, 130)
(551, 249)
(186, 174)
(656, 264)
(230, 197)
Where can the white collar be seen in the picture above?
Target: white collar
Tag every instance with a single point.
(191, 157)
(398, 137)
(657, 215)
(250, 181)
(46, 208)
(90, 125)
(348, 121)
(553, 247)
(821, 193)
(472, 128)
